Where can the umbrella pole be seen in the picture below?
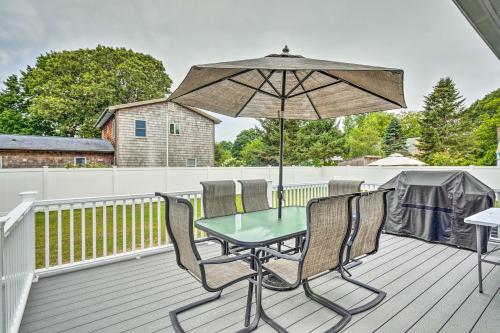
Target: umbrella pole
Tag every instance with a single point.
(280, 185)
(282, 142)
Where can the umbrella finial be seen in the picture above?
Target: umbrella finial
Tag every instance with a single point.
(286, 50)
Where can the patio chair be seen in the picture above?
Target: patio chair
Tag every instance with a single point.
(339, 187)
(364, 240)
(254, 195)
(328, 226)
(215, 274)
(219, 198)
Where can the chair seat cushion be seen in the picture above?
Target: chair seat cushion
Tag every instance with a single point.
(287, 270)
(219, 275)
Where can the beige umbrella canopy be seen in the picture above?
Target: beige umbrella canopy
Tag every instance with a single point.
(289, 86)
(397, 160)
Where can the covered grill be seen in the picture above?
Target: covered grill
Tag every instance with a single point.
(432, 205)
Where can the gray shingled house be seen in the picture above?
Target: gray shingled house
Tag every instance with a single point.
(31, 151)
(158, 133)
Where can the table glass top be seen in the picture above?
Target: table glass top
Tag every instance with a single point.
(256, 227)
(489, 217)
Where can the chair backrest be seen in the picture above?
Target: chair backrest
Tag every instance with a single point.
(328, 226)
(254, 195)
(179, 223)
(341, 187)
(369, 222)
(219, 198)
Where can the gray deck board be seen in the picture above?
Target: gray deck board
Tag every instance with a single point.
(429, 287)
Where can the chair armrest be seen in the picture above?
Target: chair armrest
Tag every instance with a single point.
(276, 254)
(207, 239)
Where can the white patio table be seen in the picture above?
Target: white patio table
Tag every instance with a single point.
(487, 218)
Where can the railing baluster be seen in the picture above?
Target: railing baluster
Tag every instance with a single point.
(133, 225)
(158, 219)
(104, 229)
(124, 227)
(59, 235)
(151, 222)
(71, 234)
(83, 231)
(94, 231)
(47, 237)
(142, 224)
(114, 227)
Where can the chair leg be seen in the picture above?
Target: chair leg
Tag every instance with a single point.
(380, 294)
(248, 310)
(249, 327)
(344, 313)
(174, 313)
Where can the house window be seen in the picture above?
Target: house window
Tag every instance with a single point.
(191, 162)
(140, 128)
(175, 128)
(80, 161)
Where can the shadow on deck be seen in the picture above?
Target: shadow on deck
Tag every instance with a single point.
(430, 288)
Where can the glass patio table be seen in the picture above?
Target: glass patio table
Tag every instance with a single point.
(256, 229)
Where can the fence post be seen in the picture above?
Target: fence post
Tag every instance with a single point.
(3, 303)
(45, 183)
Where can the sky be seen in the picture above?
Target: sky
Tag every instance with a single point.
(428, 39)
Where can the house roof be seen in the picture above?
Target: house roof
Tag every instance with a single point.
(397, 160)
(109, 111)
(54, 143)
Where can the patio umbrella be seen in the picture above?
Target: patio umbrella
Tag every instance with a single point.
(287, 86)
(397, 160)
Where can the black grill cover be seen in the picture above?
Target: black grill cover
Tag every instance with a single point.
(432, 205)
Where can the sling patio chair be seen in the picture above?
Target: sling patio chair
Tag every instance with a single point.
(215, 274)
(328, 225)
(364, 240)
(219, 200)
(339, 187)
(254, 195)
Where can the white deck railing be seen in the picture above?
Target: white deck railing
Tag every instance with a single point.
(17, 261)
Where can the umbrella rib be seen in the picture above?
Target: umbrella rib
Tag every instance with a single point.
(299, 82)
(253, 95)
(269, 82)
(360, 88)
(215, 82)
(313, 89)
(253, 88)
(307, 95)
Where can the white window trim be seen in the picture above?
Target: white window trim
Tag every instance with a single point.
(195, 162)
(84, 160)
(178, 125)
(145, 128)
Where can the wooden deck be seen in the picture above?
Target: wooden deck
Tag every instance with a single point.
(430, 288)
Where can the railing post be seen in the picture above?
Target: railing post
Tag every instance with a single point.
(3, 304)
(270, 192)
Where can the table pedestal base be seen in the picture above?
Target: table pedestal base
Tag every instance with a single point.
(274, 283)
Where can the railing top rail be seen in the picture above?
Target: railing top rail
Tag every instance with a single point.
(69, 201)
(302, 184)
(15, 215)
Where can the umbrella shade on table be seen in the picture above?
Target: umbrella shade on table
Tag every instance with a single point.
(289, 86)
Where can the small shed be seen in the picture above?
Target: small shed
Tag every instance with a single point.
(32, 151)
(397, 160)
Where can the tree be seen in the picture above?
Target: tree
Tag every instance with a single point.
(410, 123)
(66, 91)
(365, 137)
(252, 152)
(319, 141)
(13, 112)
(244, 137)
(485, 114)
(394, 140)
(222, 152)
(270, 135)
(441, 125)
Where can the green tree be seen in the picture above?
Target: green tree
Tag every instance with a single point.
(13, 112)
(319, 141)
(485, 115)
(410, 123)
(442, 128)
(394, 140)
(68, 90)
(270, 135)
(244, 137)
(252, 152)
(222, 152)
(365, 137)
